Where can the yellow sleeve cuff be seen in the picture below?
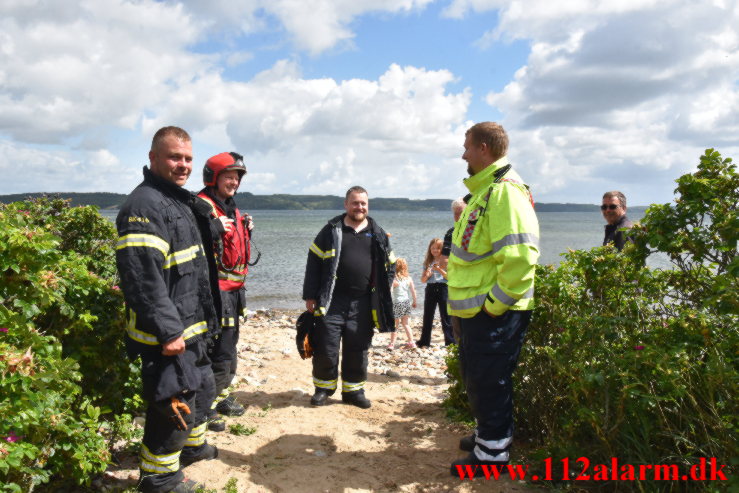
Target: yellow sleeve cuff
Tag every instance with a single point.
(496, 308)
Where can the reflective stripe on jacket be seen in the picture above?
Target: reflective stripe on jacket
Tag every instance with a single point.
(495, 246)
(232, 264)
(164, 267)
(323, 262)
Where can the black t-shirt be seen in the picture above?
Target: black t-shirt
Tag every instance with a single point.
(355, 261)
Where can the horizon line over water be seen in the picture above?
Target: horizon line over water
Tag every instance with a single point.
(283, 237)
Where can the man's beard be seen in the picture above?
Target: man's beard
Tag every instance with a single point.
(469, 170)
(357, 216)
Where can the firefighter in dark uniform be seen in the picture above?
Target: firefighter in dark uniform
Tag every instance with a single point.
(170, 286)
(222, 175)
(347, 283)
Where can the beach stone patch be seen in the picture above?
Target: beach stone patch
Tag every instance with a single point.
(289, 438)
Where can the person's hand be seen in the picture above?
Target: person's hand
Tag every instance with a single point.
(173, 347)
(310, 305)
(249, 223)
(414, 304)
(439, 269)
(228, 224)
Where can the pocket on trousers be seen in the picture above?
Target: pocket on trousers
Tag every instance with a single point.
(149, 375)
(177, 375)
(490, 335)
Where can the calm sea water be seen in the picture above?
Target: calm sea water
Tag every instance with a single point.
(283, 237)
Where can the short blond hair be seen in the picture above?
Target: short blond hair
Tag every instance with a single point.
(165, 132)
(493, 135)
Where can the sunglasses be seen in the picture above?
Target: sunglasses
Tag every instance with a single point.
(609, 206)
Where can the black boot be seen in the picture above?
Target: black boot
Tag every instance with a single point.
(229, 407)
(467, 443)
(216, 422)
(188, 486)
(356, 399)
(320, 397)
(207, 452)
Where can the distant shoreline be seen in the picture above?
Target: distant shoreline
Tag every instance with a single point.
(249, 201)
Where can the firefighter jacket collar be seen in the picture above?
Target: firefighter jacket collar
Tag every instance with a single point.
(483, 179)
(167, 187)
(323, 260)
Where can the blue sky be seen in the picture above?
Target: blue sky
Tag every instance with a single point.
(320, 95)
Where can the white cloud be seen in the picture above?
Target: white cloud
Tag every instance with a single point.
(314, 26)
(637, 86)
(331, 133)
(28, 169)
(260, 182)
(631, 87)
(66, 70)
(74, 75)
(238, 57)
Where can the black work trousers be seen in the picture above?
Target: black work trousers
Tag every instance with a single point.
(436, 294)
(348, 324)
(164, 442)
(222, 352)
(489, 355)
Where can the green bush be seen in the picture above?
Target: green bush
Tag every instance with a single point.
(622, 360)
(65, 382)
(456, 404)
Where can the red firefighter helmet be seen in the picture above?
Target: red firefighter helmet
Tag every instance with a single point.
(225, 161)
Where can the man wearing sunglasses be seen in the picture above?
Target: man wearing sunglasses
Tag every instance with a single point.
(614, 212)
(222, 175)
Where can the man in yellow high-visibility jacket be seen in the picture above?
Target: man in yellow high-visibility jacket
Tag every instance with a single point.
(495, 248)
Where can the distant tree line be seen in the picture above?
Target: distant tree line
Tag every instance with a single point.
(249, 201)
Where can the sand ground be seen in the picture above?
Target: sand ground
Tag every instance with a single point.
(403, 442)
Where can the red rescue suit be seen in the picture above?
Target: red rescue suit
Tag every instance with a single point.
(235, 250)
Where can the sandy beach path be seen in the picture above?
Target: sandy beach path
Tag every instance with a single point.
(402, 443)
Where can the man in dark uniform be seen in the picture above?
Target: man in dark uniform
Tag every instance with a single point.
(170, 285)
(614, 212)
(347, 283)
